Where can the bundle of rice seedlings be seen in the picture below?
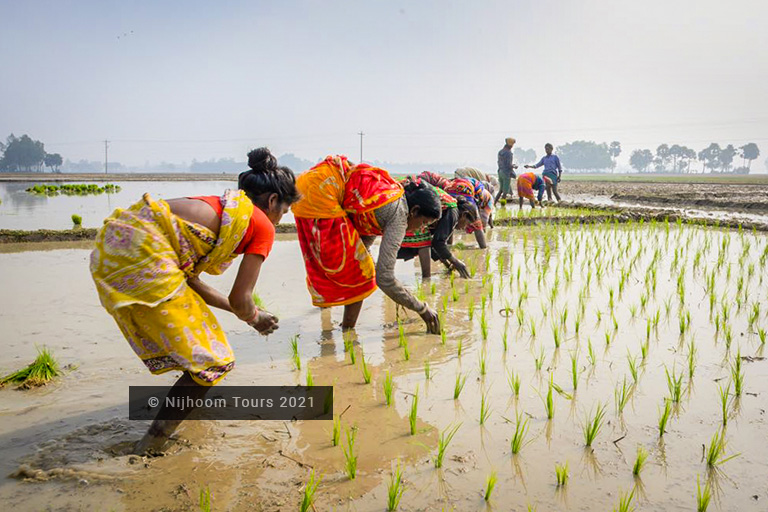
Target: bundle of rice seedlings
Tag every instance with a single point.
(42, 370)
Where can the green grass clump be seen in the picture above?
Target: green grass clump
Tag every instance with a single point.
(395, 488)
(715, 453)
(205, 500)
(485, 408)
(442, 443)
(336, 435)
(561, 474)
(704, 496)
(366, 371)
(675, 385)
(549, 403)
(625, 502)
(593, 425)
(389, 388)
(490, 483)
(77, 220)
(640, 460)
(664, 417)
(412, 415)
(518, 438)
(737, 376)
(309, 491)
(459, 385)
(39, 373)
(295, 352)
(622, 394)
(350, 459)
(513, 380)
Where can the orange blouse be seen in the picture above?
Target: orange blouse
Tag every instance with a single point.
(260, 234)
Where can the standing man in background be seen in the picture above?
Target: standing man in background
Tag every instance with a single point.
(506, 169)
(552, 171)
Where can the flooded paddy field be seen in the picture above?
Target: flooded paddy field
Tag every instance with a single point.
(640, 320)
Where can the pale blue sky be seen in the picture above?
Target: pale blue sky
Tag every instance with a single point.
(427, 81)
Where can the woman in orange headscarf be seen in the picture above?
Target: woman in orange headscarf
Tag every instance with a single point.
(342, 209)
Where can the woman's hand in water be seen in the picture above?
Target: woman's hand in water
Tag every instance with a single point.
(266, 323)
(432, 320)
(460, 267)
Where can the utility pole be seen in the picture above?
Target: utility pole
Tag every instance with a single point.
(106, 157)
(361, 145)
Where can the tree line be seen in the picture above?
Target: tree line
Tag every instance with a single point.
(27, 155)
(678, 159)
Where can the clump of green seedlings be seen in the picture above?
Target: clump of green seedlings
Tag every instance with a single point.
(737, 376)
(539, 361)
(295, 352)
(350, 459)
(336, 433)
(513, 379)
(632, 361)
(625, 502)
(395, 488)
(39, 373)
(205, 500)
(446, 436)
(459, 385)
(310, 380)
(310, 488)
(389, 388)
(490, 483)
(715, 453)
(703, 496)
(561, 474)
(675, 385)
(77, 220)
(518, 438)
(412, 415)
(664, 417)
(349, 348)
(622, 394)
(549, 403)
(724, 401)
(483, 362)
(366, 370)
(427, 370)
(640, 460)
(593, 425)
(485, 408)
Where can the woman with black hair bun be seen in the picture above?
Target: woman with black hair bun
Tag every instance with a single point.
(431, 242)
(147, 265)
(343, 207)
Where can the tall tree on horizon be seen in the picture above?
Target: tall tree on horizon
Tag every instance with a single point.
(614, 148)
(749, 152)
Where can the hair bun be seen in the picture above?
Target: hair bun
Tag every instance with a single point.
(262, 160)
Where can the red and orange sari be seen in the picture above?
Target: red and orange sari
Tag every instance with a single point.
(335, 210)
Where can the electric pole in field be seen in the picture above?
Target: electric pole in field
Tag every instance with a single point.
(360, 133)
(106, 157)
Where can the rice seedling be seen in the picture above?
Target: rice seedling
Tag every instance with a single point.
(539, 361)
(561, 474)
(483, 325)
(549, 403)
(427, 370)
(366, 370)
(664, 417)
(644, 349)
(350, 459)
(504, 339)
(482, 362)
(310, 380)
(459, 346)
(632, 361)
(513, 380)
(724, 401)
(556, 335)
(608, 338)
(295, 352)
(703, 496)
(443, 334)
(640, 460)
(590, 353)
(442, 443)
(593, 425)
(625, 502)
(336, 433)
(205, 500)
(471, 308)
(395, 488)
(309, 492)
(761, 335)
(674, 385)
(433, 288)
(490, 483)
(715, 453)
(574, 371)
(737, 376)
(533, 328)
(521, 430)
(38, 373)
(77, 220)
(412, 415)
(485, 408)
(691, 359)
(406, 351)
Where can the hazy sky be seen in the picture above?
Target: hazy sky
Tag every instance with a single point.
(427, 81)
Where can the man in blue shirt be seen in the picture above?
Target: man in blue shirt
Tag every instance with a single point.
(552, 171)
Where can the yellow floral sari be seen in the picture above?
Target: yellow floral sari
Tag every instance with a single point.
(143, 258)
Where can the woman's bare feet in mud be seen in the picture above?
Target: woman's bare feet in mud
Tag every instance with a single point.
(157, 436)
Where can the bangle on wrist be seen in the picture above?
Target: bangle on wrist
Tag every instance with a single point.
(423, 309)
(253, 318)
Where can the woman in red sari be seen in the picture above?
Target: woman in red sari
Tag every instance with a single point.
(343, 207)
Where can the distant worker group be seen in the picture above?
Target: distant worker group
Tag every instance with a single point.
(528, 182)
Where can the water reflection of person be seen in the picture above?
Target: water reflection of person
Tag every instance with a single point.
(432, 242)
(147, 265)
(343, 207)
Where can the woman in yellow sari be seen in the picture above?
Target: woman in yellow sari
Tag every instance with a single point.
(147, 265)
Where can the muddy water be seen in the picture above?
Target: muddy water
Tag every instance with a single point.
(21, 210)
(67, 438)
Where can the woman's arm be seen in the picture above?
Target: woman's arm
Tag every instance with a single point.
(241, 296)
(210, 295)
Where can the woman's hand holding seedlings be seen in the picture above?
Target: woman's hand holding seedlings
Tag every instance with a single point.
(460, 267)
(265, 322)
